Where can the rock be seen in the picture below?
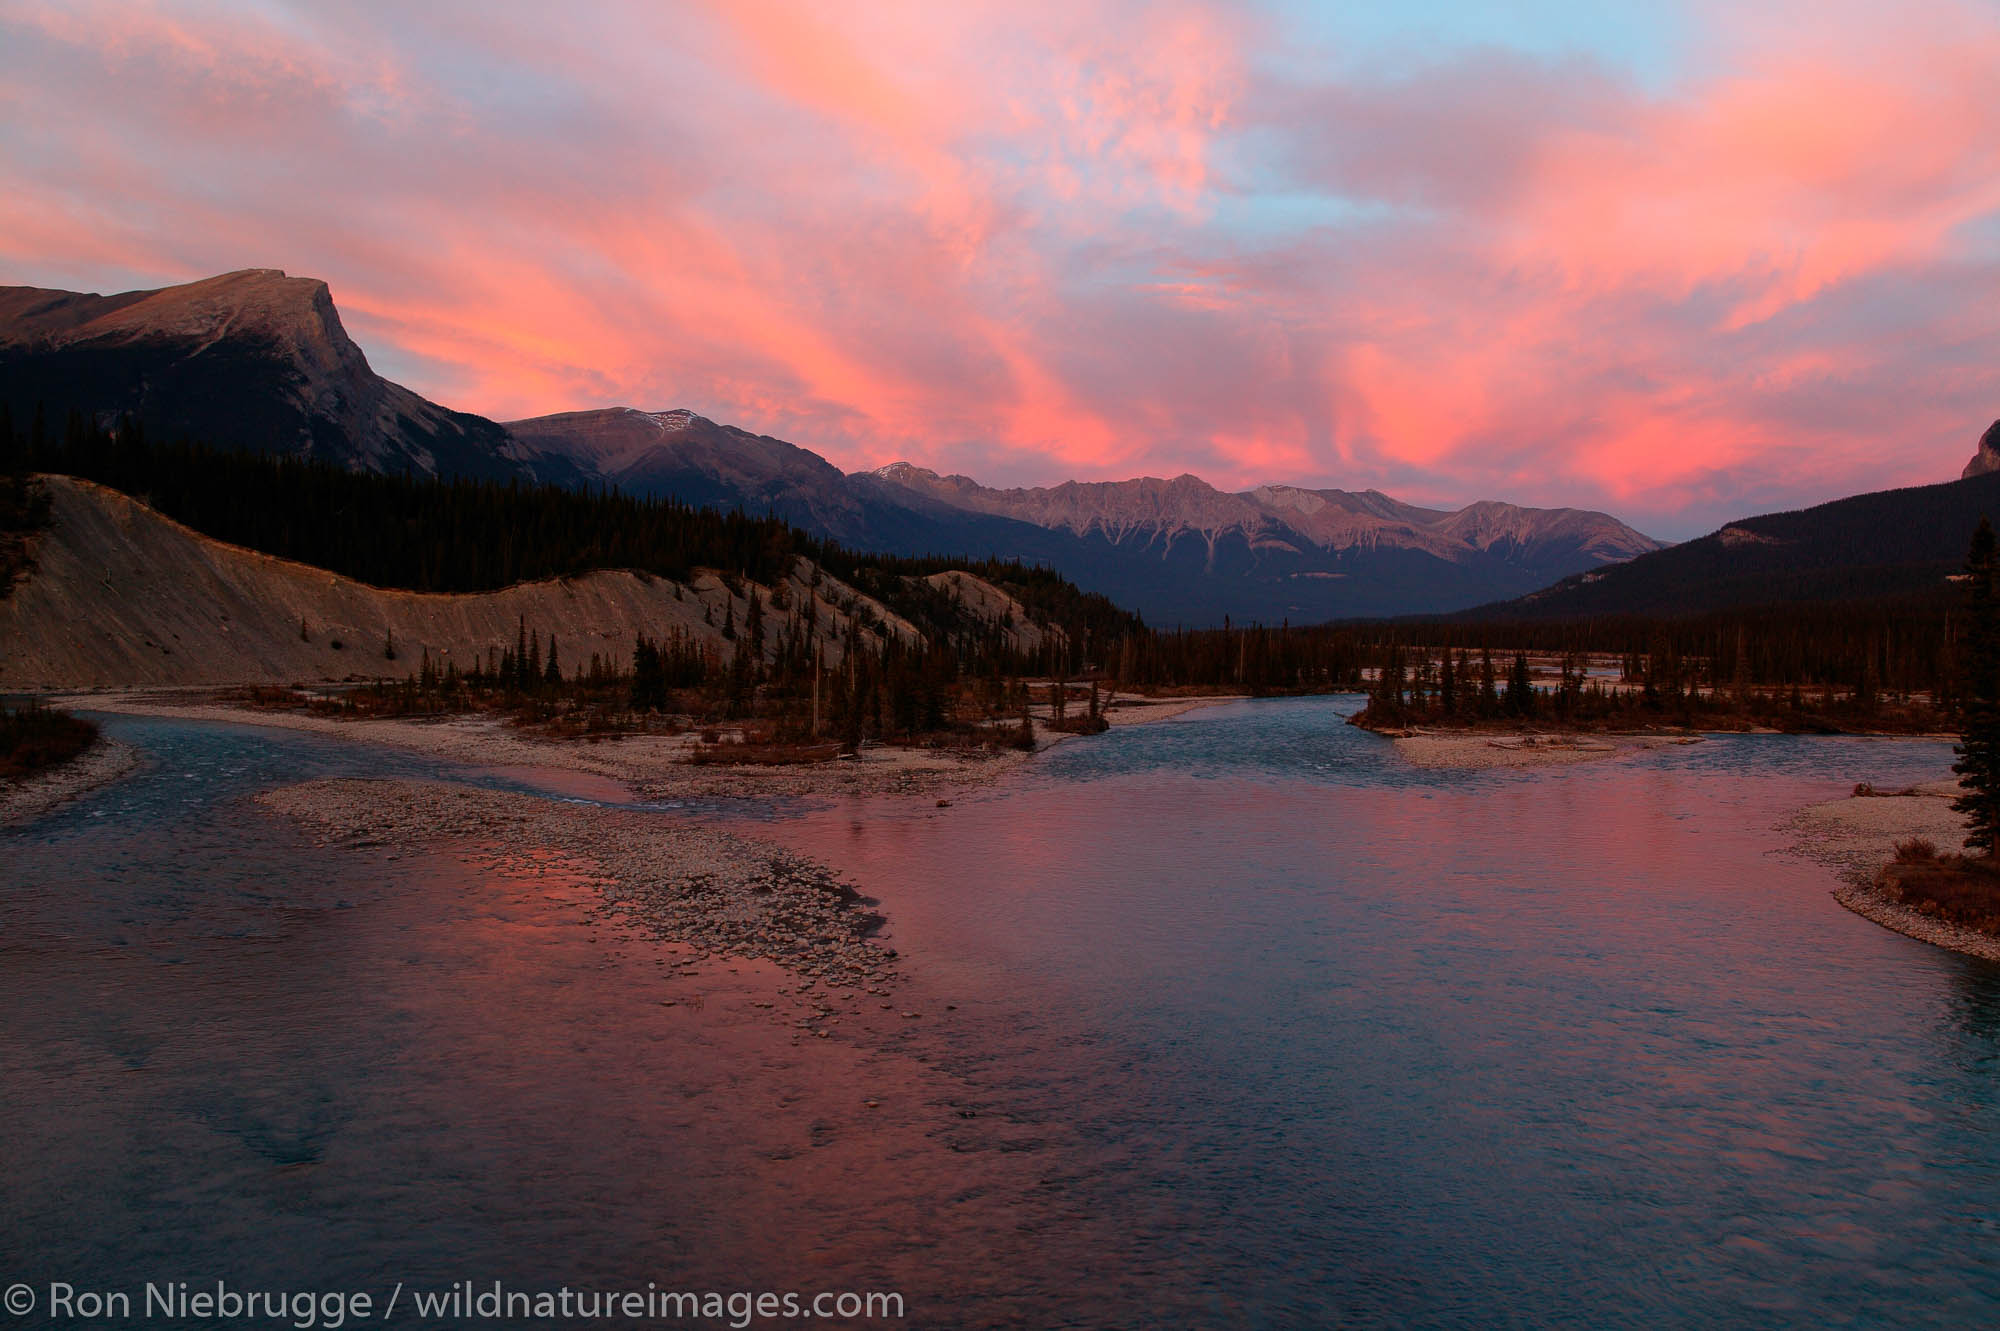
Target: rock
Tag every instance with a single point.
(1987, 457)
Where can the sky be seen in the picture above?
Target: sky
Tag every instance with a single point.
(1681, 261)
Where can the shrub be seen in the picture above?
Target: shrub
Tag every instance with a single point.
(33, 739)
(1916, 850)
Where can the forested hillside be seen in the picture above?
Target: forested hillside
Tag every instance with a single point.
(1888, 544)
(423, 534)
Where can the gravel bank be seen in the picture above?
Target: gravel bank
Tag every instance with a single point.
(1463, 751)
(715, 893)
(99, 765)
(1856, 836)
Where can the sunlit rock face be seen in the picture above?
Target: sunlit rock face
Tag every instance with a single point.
(1987, 459)
(254, 359)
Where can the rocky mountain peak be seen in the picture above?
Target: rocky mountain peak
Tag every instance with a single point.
(294, 316)
(1987, 459)
(252, 359)
(908, 473)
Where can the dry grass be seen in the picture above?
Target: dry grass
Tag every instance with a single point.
(1916, 850)
(1962, 889)
(754, 754)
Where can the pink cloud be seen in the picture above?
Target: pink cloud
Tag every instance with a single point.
(1090, 238)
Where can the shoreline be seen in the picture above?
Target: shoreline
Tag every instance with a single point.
(1480, 750)
(104, 762)
(651, 768)
(1857, 834)
(710, 893)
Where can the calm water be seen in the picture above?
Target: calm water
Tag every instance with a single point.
(1248, 1025)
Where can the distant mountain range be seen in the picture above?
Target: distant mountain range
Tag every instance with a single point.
(1175, 550)
(258, 360)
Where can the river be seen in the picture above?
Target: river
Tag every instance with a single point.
(1230, 1020)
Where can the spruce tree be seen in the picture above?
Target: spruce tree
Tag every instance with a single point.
(649, 685)
(1520, 687)
(850, 728)
(1978, 765)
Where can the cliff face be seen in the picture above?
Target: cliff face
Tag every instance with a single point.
(119, 595)
(252, 359)
(1987, 458)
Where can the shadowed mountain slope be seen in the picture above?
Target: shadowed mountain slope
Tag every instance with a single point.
(1891, 543)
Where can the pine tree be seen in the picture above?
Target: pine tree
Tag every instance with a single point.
(1489, 692)
(649, 686)
(1978, 765)
(552, 672)
(850, 730)
(1520, 688)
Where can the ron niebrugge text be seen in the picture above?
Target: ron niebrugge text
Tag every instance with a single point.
(465, 1300)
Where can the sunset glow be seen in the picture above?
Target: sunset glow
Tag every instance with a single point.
(1683, 266)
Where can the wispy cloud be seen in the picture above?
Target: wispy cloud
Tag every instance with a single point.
(1093, 238)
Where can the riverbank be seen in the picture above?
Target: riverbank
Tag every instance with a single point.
(102, 763)
(1857, 835)
(651, 767)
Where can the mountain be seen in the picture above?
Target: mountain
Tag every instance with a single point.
(253, 360)
(695, 460)
(259, 361)
(1987, 458)
(1178, 551)
(1890, 543)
